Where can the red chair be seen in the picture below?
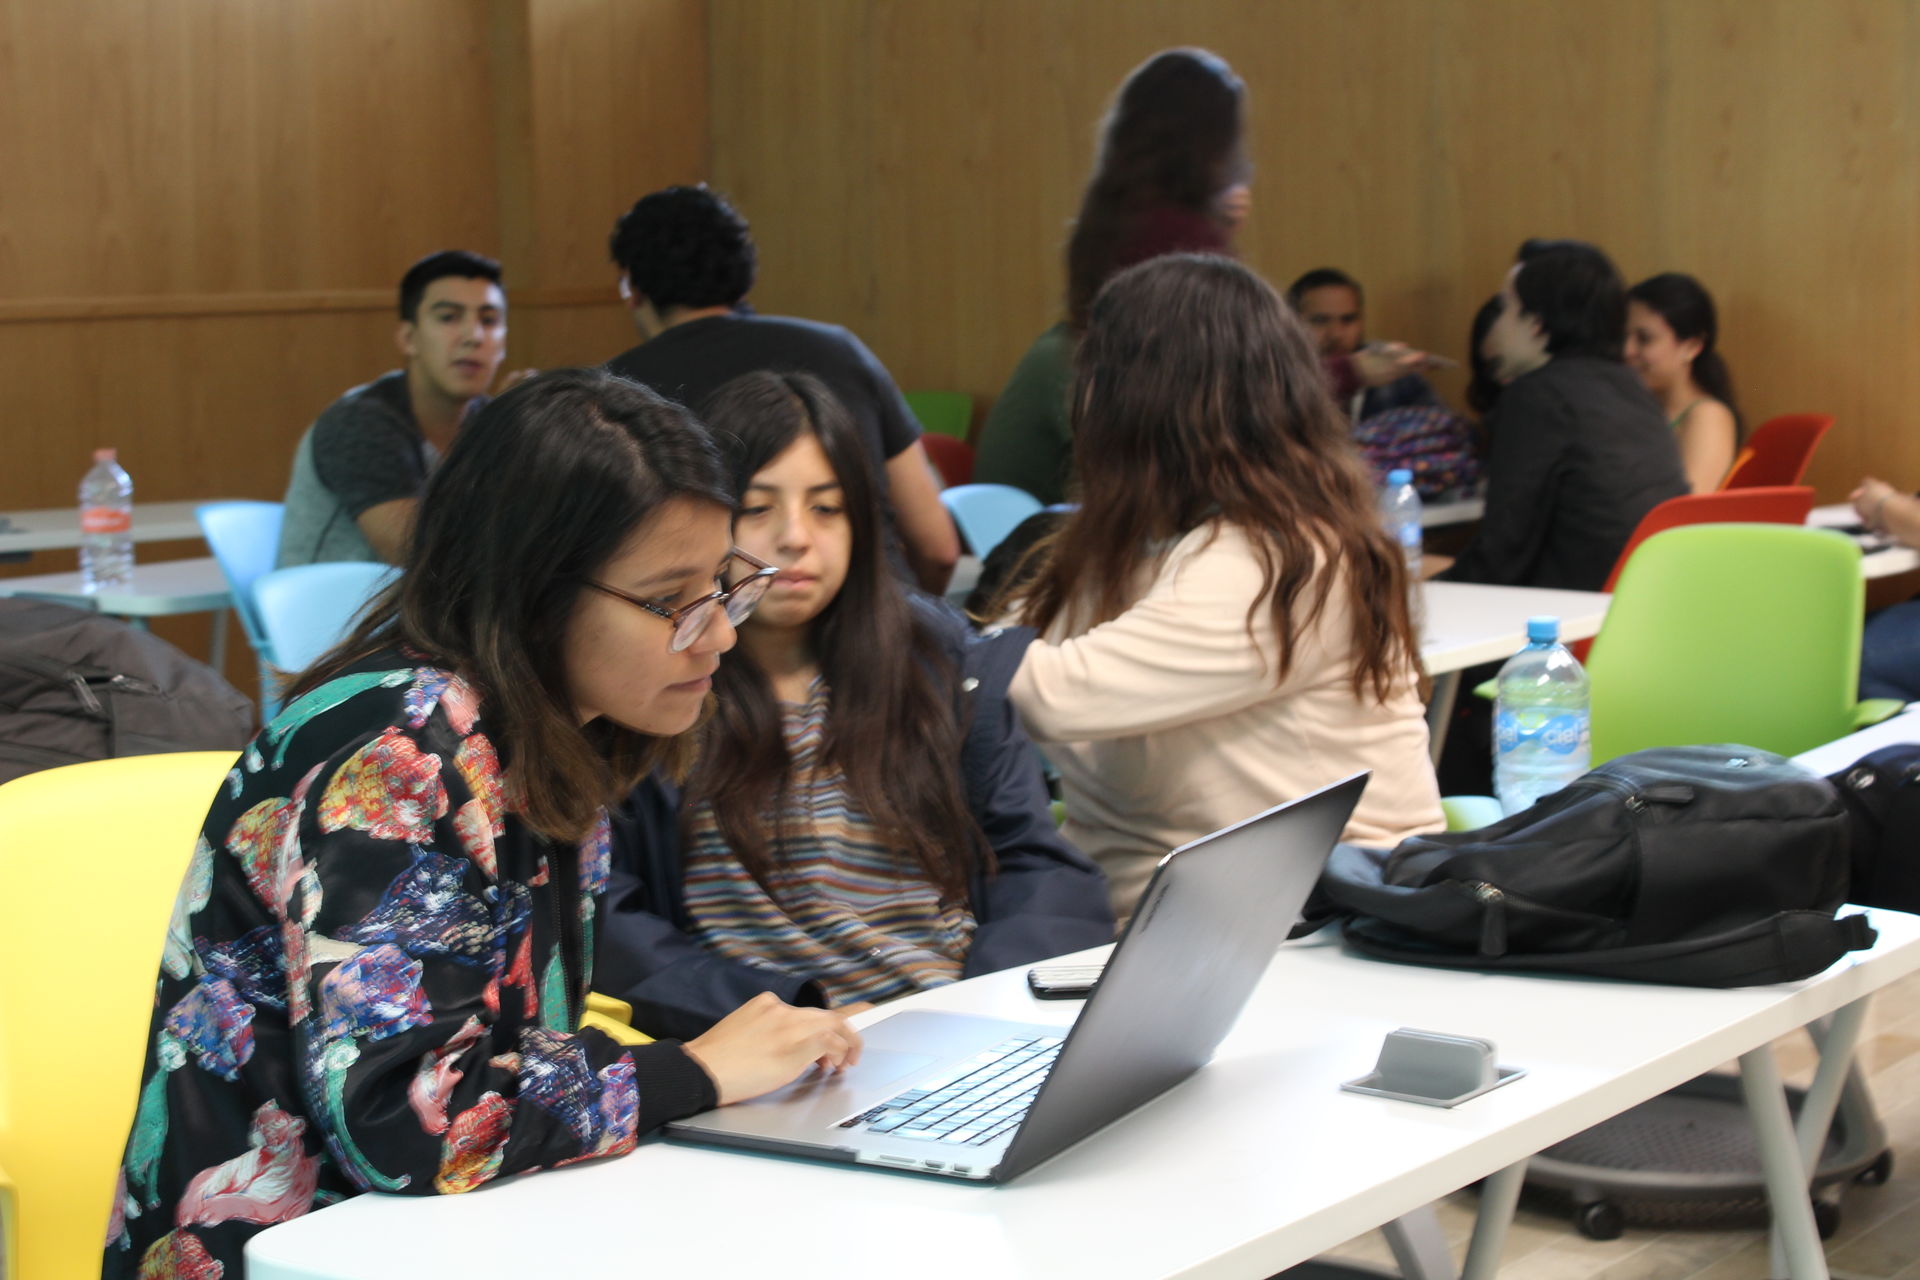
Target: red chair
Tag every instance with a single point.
(1778, 504)
(952, 458)
(1778, 451)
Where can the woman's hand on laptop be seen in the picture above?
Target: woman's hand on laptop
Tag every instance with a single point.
(766, 1043)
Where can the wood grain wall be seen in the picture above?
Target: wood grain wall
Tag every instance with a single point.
(206, 206)
(910, 168)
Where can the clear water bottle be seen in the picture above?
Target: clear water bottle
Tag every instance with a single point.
(1400, 512)
(106, 525)
(1541, 731)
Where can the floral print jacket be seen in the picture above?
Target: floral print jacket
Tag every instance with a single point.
(372, 981)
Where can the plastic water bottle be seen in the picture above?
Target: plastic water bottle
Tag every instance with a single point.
(1400, 512)
(106, 525)
(1541, 731)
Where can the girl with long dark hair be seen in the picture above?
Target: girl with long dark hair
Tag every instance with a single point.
(1170, 176)
(1223, 623)
(866, 817)
(375, 975)
(1671, 332)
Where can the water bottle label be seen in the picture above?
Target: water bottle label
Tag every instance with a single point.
(105, 520)
(1563, 734)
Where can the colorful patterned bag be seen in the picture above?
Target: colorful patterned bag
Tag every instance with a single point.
(1434, 443)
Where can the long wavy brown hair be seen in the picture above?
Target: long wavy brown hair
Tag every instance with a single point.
(1171, 139)
(894, 718)
(540, 490)
(1198, 400)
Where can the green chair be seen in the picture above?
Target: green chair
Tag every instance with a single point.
(1746, 633)
(947, 413)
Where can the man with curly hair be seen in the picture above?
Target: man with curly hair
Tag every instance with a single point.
(686, 263)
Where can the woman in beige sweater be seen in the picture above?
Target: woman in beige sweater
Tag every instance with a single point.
(1223, 623)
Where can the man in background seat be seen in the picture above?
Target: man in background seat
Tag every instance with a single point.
(686, 264)
(360, 469)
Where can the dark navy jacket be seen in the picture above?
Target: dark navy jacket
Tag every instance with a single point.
(1045, 898)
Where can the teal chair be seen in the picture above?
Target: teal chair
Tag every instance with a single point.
(1746, 633)
(947, 413)
(245, 538)
(307, 609)
(986, 513)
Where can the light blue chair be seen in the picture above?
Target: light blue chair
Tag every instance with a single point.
(306, 609)
(245, 538)
(987, 513)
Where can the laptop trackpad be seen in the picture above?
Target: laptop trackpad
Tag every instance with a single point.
(881, 1073)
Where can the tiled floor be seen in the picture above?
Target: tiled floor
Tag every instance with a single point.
(1879, 1236)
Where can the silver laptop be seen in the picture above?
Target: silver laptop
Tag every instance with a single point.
(960, 1096)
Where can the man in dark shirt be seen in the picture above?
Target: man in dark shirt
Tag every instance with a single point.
(1580, 450)
(1330, 303)
(359, 471)
(686, 263)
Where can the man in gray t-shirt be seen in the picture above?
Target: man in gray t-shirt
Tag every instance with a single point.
(359, 471)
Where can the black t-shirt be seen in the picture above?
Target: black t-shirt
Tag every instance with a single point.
(367, 449)
(690, 361)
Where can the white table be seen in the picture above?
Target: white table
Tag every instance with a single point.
(157, 590)
(1255, 1164)
(1438, 515)
(1878, 558)
(48, 529)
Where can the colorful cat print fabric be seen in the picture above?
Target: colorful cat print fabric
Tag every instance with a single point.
(371, 981)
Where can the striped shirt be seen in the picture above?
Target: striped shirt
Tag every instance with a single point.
(847, 910)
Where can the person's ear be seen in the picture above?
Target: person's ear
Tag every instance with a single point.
(403, 338)
(1690, 349)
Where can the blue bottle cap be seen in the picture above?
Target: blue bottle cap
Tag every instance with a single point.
(1399, 475)
(1544, 629)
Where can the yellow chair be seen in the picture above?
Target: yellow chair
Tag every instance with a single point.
(91, 857)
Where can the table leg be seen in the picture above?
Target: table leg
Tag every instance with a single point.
(217, 651)
(1419, 1248)
(1498, 1198)
(1835, 1037)
(1446, 687)
(1786, 1175)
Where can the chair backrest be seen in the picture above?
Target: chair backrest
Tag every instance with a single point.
(91, 858)
(1778, 451)
(1777, 505)
(987, 513)
(947, 413)
(245, 539)
(306, 609)
(1746, 633)
(953, 459)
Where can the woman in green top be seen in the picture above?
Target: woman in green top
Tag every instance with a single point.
(1671, 330)
(1170, 176)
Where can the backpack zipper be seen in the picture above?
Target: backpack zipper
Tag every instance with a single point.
(84, 692)
(1493, 917)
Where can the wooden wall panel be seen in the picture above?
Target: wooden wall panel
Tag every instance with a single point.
(910, 169)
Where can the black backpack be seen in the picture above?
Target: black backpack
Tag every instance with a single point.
(1882, 794)
(1700, 866)
(76, 685)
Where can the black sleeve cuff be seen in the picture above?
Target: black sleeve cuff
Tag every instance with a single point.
(672, 1085)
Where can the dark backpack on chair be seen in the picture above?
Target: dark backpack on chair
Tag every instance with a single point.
(1699, 866)
(77, 685)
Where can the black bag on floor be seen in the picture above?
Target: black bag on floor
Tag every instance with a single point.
(1882, 794)
(1699, 866)
(76, 685)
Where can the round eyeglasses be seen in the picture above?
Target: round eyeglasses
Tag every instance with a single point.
(690, 621)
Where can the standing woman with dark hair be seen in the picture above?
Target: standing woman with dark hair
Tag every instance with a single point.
(866, 817)
(375, 975)
(1671, 331)
(1223, 622)
(1170, 176)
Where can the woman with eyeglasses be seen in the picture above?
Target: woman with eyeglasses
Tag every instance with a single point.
(377, 965)
(1223, 622)
(866, 817)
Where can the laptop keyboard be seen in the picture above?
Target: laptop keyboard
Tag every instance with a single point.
(981, 1099)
